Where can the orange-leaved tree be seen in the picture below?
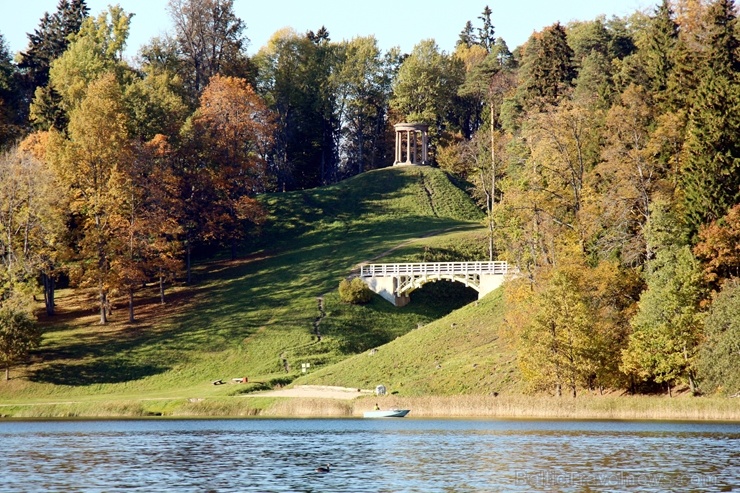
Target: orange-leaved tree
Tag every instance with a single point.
(232, 132)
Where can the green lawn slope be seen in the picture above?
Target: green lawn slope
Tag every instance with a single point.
(462, 353)
(256, 317)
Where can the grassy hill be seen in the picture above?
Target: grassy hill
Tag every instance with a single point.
(255, 317)
(461, 353)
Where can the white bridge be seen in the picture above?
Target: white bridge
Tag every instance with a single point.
(395, 282)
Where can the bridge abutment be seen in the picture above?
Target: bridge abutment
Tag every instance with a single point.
(387, 287)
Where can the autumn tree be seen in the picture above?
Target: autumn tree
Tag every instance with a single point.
(553, 346)
(162, 214)
(563, 149)
(91, 161)
(145, 222)
(719, 248)
(629, 178)
(232, 133)
(31, 217)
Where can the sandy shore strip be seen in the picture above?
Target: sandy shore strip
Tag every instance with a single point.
(316, 391)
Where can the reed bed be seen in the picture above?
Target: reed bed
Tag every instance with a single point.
(464, 406)
(585, 407)
(310, 407)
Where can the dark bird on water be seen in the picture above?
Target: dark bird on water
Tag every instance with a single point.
(326, 468)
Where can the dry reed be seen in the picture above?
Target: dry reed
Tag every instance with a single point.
(307, 407)
(585, 407)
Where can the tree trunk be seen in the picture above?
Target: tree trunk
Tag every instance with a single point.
(7, 373)
(692, 383)
(187, 263)
(161, 289)
(131, 305)
(48, 293)
(103, 307)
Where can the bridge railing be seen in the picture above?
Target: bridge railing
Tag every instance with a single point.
(429, 268)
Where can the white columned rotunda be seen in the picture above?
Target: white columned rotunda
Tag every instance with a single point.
(410, 149)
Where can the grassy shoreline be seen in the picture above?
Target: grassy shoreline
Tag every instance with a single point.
(453, 407)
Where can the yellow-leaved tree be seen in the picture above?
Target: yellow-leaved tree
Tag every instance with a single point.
(91, 161)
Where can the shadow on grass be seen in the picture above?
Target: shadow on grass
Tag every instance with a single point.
(108, 370)
(361, 328)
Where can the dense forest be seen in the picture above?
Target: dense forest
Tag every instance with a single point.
(605, 154)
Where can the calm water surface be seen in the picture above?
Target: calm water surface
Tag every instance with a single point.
(403, 455)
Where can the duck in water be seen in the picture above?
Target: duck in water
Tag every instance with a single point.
(325, 468)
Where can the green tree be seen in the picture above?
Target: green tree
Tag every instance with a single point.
(156, 105)
(426, 86)
(718, 364)
(295, 79)
(50, 40)
(547, 68)
(18, 334)
(363, 82)
(11, 121)
(710, 178)
(667, 327)
(486, 33)
(95, 50)
(661, 39)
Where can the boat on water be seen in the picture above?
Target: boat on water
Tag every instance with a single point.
(387, 413)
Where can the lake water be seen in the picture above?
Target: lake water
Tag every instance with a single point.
(395, 455)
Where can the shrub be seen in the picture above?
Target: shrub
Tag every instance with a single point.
(354, 291)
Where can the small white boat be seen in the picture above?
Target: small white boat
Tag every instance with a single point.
(387, 413)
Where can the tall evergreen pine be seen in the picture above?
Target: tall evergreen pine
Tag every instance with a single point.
(711, 173)
(50, 40)
(548, 70)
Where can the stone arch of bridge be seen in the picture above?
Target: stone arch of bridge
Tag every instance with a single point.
(408, 284)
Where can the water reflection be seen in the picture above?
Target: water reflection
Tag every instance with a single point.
(451, 456)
